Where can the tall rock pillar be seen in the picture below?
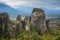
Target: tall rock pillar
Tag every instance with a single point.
(38, 20)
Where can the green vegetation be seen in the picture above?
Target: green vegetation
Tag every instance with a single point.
(52, 34)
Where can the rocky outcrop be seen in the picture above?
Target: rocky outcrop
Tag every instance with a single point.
(10, 30)
(38, 20)
(27, 25)
(19, 24)
(3, 23)
(7, 27)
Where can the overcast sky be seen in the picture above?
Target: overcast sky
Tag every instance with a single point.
(49, 4)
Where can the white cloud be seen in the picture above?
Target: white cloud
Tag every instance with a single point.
(49, 4)
(52, 8)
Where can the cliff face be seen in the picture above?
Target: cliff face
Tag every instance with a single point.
(27, 25)
(19, 24)
(38, 20)
(3, 22)
(3, 17)
(5, 25)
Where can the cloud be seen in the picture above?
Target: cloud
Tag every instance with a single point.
(49, 4)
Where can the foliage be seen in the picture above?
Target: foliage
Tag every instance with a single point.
(52, 34)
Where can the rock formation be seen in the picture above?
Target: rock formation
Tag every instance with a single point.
(1, 25)
(5, 25)
(19, 24)
(38, 20)
(10, 30)
(27, 26)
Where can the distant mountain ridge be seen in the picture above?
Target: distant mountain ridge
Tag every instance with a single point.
(11, 11)
(50, 14)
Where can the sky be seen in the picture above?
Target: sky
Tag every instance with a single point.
(27, 6)
(49, 4)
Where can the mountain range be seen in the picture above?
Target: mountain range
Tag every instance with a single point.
(22, 11)
(11, 11)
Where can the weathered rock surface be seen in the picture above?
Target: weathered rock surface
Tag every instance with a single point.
(8, 30)
(38, 20)
(19, 24)
(27, 26)
(3, 26)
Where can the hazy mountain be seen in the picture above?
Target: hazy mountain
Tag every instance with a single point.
(11, 11)
(27, 11)
(52, 14)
